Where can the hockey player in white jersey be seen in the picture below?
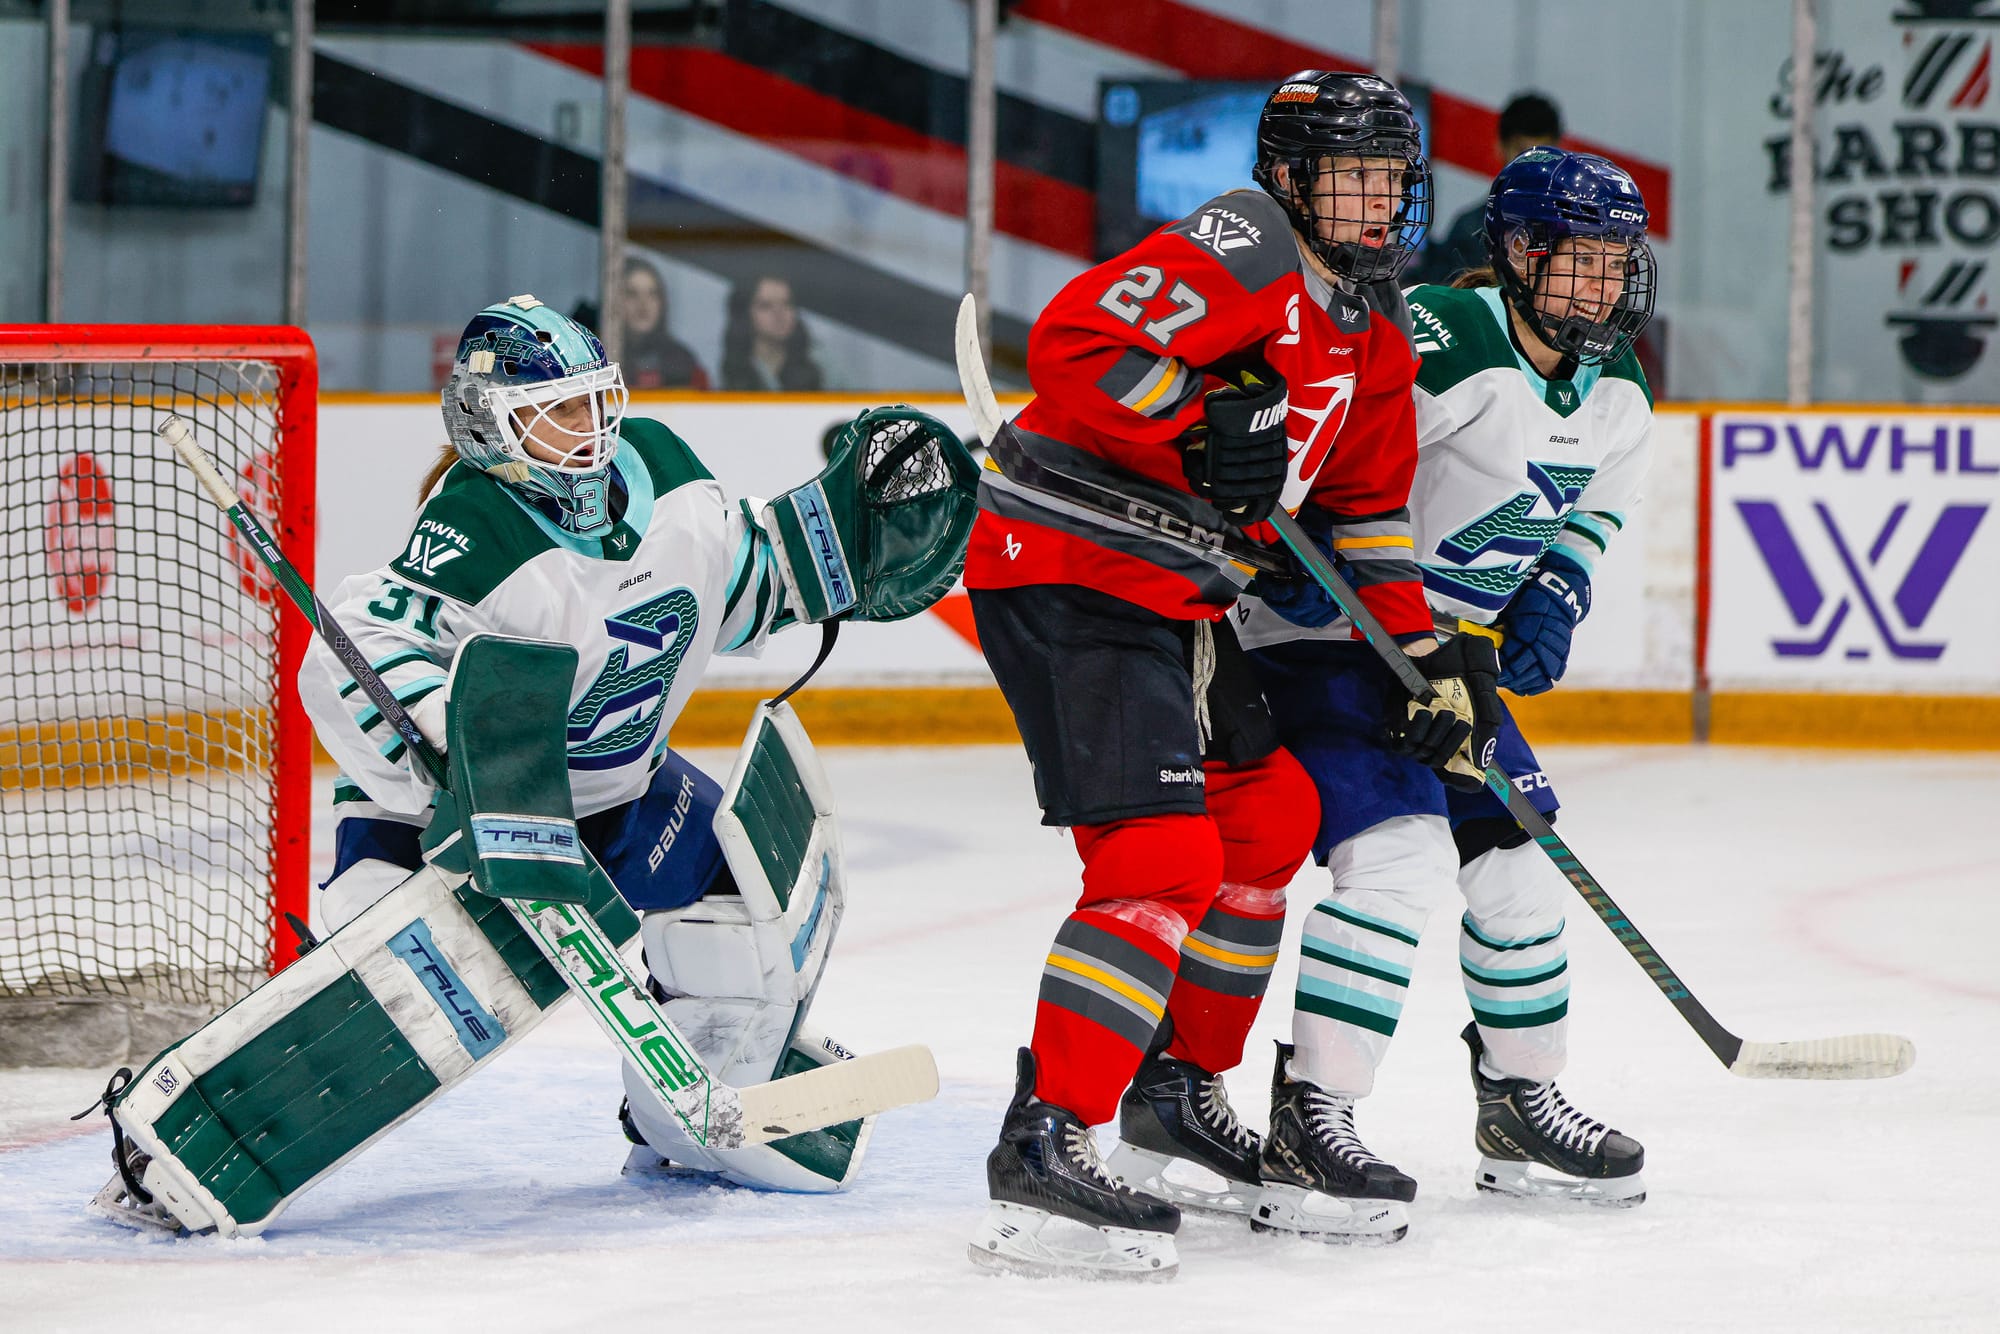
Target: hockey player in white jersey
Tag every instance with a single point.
(1533, 424)
(554, 516)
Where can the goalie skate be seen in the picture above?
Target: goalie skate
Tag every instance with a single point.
(1179, 1140)
(1056, 1211)
(1534, 1145)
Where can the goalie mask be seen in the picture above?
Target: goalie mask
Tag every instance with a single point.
(1566, 234)
(533, 400)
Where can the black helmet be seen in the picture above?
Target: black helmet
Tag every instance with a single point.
(1314, 114)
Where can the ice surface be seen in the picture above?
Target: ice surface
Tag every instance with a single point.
(1799, 895)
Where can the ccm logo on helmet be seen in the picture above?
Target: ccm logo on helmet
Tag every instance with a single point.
(1625, 214)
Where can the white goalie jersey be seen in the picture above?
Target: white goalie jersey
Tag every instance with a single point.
(1511, 464)
(684, 574)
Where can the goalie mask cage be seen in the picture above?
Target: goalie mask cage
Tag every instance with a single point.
(155, 764)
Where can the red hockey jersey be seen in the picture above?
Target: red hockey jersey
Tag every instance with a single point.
(1115, 364)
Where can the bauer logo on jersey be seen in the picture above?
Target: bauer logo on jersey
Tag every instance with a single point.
(532, 838)
(809, 503)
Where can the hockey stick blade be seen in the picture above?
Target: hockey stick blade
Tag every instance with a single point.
(972, 378)
(1856, 1056)
(856, 1087)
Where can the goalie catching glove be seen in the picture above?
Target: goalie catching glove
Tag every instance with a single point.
(880, 534)
(1237, 458)
(1455, 732)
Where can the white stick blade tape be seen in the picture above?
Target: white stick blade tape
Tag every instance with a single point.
(972, 378)
(839, 1092)
(1856, 1056)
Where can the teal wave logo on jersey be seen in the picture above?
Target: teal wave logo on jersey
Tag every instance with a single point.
(664, 626)
(1511, 528)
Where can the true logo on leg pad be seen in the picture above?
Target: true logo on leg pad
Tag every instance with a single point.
(478, 1031)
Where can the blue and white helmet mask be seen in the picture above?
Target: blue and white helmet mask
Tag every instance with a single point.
(533, 400)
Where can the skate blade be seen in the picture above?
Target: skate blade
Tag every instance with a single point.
(1530, 1181)
(1167, 1178)
(1293, 1211)
(645, 1164)
(1010, 1240)
(115, 1205)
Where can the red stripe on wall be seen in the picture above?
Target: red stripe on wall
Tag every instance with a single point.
(864, 147)
(1207, 45)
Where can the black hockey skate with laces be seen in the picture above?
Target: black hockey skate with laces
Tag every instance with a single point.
(1045, 1170)
(1179, 1140)
(1533, 1144)
(1320, 1180)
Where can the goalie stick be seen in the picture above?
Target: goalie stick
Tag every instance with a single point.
(1854, 1056)
(715, 1114)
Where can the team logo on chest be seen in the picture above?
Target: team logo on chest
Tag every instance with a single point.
(1464, 568)
(618, 717)
(1310, 451)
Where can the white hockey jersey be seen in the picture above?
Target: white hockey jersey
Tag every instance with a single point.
(1508, 464)
(684, 574)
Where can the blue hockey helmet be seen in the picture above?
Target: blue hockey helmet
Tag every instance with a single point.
(518, 364)
(1317, 114)
(1549, 195)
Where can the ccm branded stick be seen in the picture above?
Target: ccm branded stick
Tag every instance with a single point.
(715, 1114)
(1855, 1056)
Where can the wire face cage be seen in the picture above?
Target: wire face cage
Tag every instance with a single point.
(155, 766)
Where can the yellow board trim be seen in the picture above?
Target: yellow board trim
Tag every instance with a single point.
(1104, 979)
(1229, 956)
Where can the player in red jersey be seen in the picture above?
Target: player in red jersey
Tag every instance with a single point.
(1254, 353)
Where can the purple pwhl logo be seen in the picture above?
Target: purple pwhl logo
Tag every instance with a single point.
(1898, 612)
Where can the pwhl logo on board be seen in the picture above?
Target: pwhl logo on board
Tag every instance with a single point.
(1865, 575)
(1896, 601)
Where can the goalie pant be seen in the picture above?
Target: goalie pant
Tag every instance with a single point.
(1398, 842)
(737, 993)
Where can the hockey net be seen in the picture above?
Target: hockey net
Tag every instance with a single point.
(155, 766)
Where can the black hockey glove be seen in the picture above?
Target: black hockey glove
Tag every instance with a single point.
(1236, 458)
(1454, 733)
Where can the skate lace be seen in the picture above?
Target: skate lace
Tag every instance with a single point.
(1563, 1123)
(1080, 1147)
(1221, 1116)
(1332, 1121)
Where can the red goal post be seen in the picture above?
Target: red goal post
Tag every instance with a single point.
(155, 763)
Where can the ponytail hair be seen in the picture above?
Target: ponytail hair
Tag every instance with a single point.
(439, 467)
(1483, 276)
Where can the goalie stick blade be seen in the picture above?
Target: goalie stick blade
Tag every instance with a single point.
(1856, 1056)
(859, 1086)
(972, 378)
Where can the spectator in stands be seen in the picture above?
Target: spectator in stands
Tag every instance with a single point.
(765, 346)
(1529, 119)
(652, 358)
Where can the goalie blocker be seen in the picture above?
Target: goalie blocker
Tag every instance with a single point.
(436, 978)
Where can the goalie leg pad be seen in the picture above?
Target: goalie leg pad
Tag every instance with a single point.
(425, 986)
(739, 967)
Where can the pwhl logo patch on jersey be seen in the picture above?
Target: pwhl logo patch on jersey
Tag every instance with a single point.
(1223, 231)
(432, 545)
(1896, 599)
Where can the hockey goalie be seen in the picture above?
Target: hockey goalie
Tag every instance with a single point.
(570, 575)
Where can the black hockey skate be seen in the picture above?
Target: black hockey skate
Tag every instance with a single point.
(1179, 1140)
(1044, 1171)
(1320, 1181)
(1534, 1145)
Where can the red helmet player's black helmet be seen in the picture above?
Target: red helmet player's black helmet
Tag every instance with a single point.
(1315, 114)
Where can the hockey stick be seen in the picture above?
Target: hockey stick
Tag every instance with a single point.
(715, 1114)
(1855, 1056)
